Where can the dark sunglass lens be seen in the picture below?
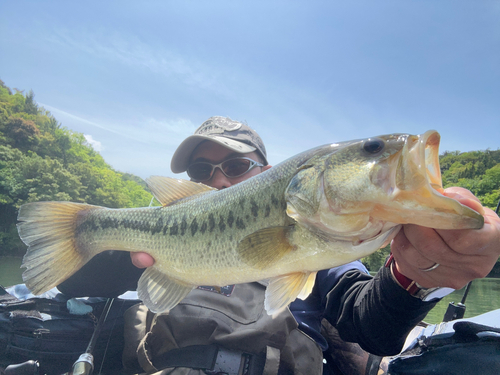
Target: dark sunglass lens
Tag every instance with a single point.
(236, 167)
(200, 171)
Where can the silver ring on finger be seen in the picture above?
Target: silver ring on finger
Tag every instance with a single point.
(431, 268)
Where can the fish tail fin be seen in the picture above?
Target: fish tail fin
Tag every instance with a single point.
(48, 229)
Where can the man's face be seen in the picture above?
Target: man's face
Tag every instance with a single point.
(214, 153)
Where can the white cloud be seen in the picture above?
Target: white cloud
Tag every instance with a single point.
(95, 144)
(148, 131)
(63, 114)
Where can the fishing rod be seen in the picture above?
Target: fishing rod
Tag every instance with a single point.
(457, 310)
(84, 365)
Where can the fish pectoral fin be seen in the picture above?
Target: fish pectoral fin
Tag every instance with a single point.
(283, 290)
(265, 246)
(169, 190)
(159, 292)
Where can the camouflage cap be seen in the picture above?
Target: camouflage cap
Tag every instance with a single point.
(222, 130)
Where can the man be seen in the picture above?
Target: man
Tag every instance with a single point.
(376, 312)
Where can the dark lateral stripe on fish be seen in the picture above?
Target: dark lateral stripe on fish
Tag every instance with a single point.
(88, 225)
(222, 225)
(211, 223)
(99, 223)
(274, 201)
(158, 227)
(184, 225)
(240, 224)
(254, 208)
(230, 219)
(194, 227)
(278, 203)
(174, 229)
(203, 228)
(164, 225)
(95, 224)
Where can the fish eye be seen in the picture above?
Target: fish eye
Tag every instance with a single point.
(373, 145)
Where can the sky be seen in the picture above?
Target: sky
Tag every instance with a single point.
(137, 77)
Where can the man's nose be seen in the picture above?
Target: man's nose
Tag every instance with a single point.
(219, 180)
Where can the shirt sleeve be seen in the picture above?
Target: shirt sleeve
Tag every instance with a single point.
(108, 274)
(375, 312)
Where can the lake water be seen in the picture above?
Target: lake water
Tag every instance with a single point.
(10, 271)
(483, 296)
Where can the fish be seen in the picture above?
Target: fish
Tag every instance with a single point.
(320, 209)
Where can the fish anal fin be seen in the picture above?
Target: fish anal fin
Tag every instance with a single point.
(169, 190)
(265, 246)
(283, 290)
(308, 286)
(159, 292)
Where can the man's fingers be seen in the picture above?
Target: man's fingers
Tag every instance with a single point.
(142, 260)
(417, 248)
(465, 197)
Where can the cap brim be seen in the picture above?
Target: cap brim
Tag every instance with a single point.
(180, 160)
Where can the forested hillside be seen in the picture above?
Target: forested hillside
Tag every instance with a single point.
(478, 171)
(42, 160)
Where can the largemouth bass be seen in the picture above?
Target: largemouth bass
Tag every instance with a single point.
(319, 209)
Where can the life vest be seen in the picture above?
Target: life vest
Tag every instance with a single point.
(233, 319)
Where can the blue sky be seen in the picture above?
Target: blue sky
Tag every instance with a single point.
(137, 77)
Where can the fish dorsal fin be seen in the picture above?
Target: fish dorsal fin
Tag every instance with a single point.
(169, 190)
(159, 292)
(283, 290)
(265, 246)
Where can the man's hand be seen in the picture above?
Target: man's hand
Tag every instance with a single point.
(462, 255)
(142, 260)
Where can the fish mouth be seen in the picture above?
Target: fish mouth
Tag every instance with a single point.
(418, 164)
(417, 190)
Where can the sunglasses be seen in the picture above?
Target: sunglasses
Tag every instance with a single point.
(203, 171)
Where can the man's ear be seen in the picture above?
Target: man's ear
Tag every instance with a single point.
(266, 167)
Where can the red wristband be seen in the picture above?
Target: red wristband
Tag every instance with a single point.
(412, 287)
(404, 282)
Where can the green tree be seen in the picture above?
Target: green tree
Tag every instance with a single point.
(22, 134)
(374, 261)
(30, 106)
(477, 171)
